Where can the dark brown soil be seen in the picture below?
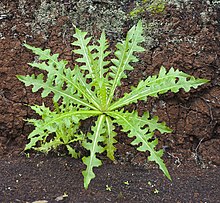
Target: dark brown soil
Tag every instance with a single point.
(185, 36)
(46, 178)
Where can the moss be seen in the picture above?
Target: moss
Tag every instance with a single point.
(152, 6)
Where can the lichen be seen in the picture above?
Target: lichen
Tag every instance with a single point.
(4, 14)
(151, 33)
(94, 17)
(179, 3)
(216, 2)
(89, 15)
(21, 6)
(45, 16)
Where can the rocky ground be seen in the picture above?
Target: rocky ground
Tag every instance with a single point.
(184, 36)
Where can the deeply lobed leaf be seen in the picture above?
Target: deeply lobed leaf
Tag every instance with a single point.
(94, 147)
(124, 56)
(64, 124)
(109, 138)
(135, 127)
(172, 80)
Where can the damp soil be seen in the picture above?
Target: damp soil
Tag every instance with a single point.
(48, 178)
(184, 36)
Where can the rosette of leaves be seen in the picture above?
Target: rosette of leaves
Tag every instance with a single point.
(88, 90)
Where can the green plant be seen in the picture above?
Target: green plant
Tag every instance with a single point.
(108, 188)
(126, 183)
(88, 90)
(152, 6)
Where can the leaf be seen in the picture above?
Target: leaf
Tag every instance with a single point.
(58, 76)
(153, 123)
(54, 122)
(66, 94)
(94, 148)
(124, 56)
(172, 80)
(135, 127)
(102, 53)
(109, 140)
(72, 152)
(86, 89)
(85, 51)
(47, 146)
(94, 59)
(100, 82)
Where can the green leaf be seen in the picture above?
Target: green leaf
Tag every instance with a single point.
(55, 122)
(59, 76)
(43, 54)
(47, 146)
(72, 152)
(153, 123)
(94, 59)
(124, 56)
(66, 94)
(85, 51)
(109, 140)
(94, 148)
(172, 80)
(100, 56)
(132, 124)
